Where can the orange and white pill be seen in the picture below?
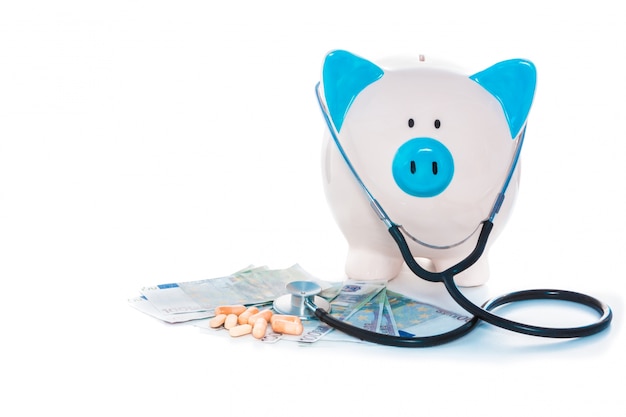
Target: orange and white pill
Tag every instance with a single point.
(243, 317)
(287, 327)
(230, 309)
(284, 317)
(240, 330)
(217, 321)
(259, 328)
(264, 314)
(231, 321)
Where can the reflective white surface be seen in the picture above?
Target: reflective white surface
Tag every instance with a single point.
(144, 142)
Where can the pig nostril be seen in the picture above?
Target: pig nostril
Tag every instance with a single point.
(435, 167)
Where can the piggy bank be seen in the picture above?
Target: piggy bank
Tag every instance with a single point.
(436, 147)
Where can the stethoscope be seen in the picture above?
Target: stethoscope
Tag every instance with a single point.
(303, 299)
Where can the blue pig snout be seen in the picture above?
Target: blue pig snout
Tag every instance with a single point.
(423, 167)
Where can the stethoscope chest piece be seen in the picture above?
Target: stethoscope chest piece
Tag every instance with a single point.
(298, 294)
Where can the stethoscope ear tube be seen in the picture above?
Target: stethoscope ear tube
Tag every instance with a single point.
(418, 270)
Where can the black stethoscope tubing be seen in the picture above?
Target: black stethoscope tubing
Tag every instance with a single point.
(479, 313)
(447, 277)
(389, 340)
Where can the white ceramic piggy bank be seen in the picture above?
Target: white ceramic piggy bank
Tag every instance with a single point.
(433, 146)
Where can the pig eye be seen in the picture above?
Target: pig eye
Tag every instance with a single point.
(437, 123)
(411, 122)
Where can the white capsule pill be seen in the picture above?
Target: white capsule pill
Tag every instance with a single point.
(266, 314)
(217, 321)
(240, 330)
(231, 321)
(259, 328)
(243, 317)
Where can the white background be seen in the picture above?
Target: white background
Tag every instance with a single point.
(144, 142)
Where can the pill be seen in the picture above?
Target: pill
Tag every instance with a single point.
(217, 321)
(259, 328)
(287, 327)
(284, 317)
(231, 309)
(240, 330)
(265, 314)
(243, 317)
(231, 321)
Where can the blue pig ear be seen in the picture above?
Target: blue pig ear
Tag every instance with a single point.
(344, 76)
(513, 83)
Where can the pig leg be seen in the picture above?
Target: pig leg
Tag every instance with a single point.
(373, 262)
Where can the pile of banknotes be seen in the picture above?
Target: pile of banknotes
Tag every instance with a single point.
(368, 305)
